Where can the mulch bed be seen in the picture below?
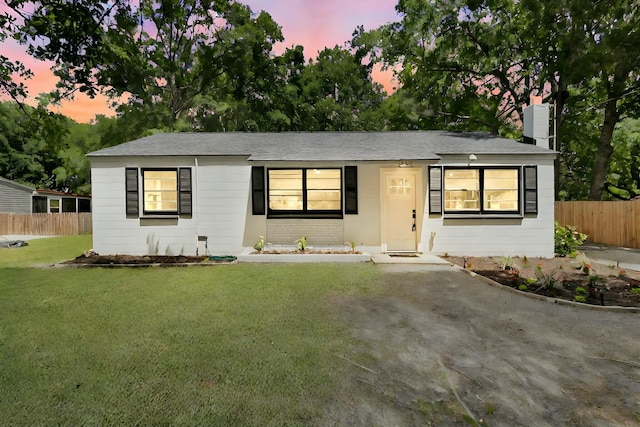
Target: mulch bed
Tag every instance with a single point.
(572, 279)
(120, 260)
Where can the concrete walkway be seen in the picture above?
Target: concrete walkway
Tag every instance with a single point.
(625, 258)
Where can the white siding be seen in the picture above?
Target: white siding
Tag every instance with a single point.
(220, 190)
(530, 236)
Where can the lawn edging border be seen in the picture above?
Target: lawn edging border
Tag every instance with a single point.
(612, 308)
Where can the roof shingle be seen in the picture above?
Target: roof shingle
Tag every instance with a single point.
(322, 146)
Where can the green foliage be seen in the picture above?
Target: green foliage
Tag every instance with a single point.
(352, 245)
(260, 244)
(635, 291)
(547, 280)
(580, 298)
(580, 290)
(507, 263)
(301, 244)
(567, 239)
(523, 287)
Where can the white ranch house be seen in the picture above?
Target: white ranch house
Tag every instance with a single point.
(421, 191)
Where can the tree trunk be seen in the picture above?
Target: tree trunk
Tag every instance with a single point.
(611, 118)
(558, 110)
(605, 149)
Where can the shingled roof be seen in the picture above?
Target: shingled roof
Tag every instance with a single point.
(322, 146)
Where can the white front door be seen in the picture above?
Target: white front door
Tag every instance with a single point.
(400, 202)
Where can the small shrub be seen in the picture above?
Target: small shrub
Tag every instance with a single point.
(581, 291)
(594, 280)
(352, 246)
(530, 281)
(579, 298)
(301, 244)
(635, 291)
(507, 263)
(523, 287)
(260, 244)
(547, 281)
(567, 239)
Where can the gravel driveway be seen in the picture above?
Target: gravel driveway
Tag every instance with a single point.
(438, 347)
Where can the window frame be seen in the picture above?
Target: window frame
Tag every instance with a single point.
(481, 211)
(146, 212)
(305, 212)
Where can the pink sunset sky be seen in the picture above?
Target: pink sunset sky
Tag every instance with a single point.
(310, 23)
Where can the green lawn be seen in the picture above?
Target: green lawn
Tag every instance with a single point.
(45, 251)
(227, 345)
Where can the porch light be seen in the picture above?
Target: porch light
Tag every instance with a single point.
(404, 164)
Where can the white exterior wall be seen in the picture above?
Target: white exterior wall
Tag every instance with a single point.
(532, 235)
(222, 211)
(220, 188)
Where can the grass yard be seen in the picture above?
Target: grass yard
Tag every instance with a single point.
(226, 345)
(45, 251)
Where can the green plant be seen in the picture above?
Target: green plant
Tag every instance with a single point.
(581, 291)
(352, 246)
(594, 280)
(567, 239)
(301, 244)
(530, 281)
(546, 280)
(260, 244)
(507, 263)
(523, 287)
(635, 291)
(579, 298)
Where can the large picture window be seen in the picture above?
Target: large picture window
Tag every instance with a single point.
(482, 190)
(305, 192)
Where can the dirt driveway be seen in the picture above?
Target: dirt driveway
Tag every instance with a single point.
(438, 347)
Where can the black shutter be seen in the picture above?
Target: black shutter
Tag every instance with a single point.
(351, 190)
(131, 187)
(257, 190)
(435, 190)
(530, 189)
(184, 191)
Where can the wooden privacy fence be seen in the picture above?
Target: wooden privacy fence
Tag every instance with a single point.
(46, 224)
(611, 223)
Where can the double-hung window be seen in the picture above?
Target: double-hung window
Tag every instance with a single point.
(160, 191)
(482, 190)
(311, 192)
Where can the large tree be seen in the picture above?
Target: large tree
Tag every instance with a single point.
(160, 54)
(476, 62)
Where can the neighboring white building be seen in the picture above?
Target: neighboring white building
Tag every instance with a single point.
(431, 191)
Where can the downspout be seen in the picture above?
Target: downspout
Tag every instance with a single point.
(197, 213)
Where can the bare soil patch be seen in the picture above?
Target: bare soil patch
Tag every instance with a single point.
(437, 347)
(573, 279)
(95, 259)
